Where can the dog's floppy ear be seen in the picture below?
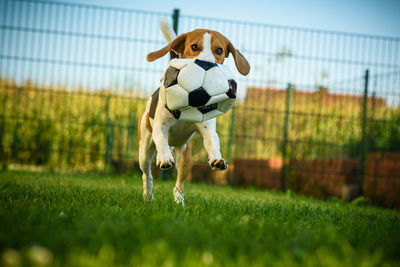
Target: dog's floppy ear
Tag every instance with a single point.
(240, 61)
(177, 46)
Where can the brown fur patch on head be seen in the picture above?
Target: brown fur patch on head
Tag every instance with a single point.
(220, 47)
(193, 38)
(196, 37)
(219, 41)
(190, 45)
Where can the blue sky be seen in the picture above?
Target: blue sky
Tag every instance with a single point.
(358, 16)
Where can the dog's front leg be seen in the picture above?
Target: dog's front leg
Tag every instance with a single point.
(162, 124)
(208, 131)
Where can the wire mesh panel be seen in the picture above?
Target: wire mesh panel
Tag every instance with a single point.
(73, 82)
(309, 116)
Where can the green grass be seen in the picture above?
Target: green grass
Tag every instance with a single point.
(101, 220)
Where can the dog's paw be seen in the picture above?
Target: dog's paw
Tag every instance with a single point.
(165, 160)
(218, 164)
(148, 197)
(178, 196)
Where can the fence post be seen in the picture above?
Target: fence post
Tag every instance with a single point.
(285, 134)
(3, 156)
(363, 145)
(175, 20)
(129, 137)
(109, 129)
(14, 146)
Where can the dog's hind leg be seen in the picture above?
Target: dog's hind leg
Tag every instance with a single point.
(183, 157)
(146, 154)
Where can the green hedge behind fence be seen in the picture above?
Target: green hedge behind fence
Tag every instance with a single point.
(81, 130)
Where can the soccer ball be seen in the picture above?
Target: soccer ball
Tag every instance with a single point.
(196, 90)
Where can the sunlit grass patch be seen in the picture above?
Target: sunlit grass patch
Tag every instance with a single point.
(102, 220)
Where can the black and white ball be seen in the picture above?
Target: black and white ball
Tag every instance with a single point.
(196, 90)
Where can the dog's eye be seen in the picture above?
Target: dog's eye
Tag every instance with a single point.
(219, 51)
(195, 47)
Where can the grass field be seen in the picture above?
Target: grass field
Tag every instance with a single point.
(101, 220)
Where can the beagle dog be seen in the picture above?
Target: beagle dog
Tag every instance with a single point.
(157, 127)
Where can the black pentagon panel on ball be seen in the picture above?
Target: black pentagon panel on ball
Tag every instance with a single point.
(198, 97)
(232, 89)
(175, 113)
(206, 65)
(171, 77)
(205, 109)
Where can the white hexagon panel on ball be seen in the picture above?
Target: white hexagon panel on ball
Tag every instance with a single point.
(215, 82)
(180, 63)
(217, 98)
(176, 97)
(212, 114)
(225, 105)
(227, 71)
(191, 77)
(192, 115)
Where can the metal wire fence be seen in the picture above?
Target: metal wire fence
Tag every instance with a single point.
(318, 114)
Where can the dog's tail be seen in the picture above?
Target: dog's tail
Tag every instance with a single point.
(167, 30)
